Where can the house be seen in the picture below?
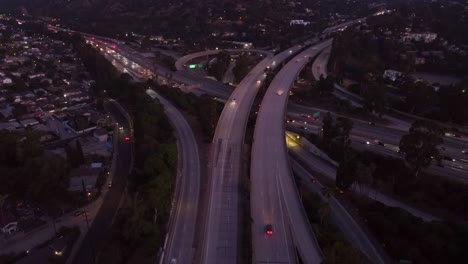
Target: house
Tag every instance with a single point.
(391, 75)
(100, 134)
(8, 223)
(12, 125)
(299, 22)
(7, 81)
(83, 176)
(29, 122)
(427, 37)
(419, 61)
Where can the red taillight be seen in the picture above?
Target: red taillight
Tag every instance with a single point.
(269, 232)
(127, 139)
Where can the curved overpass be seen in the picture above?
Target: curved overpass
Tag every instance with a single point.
(274, 199)
(183, 60)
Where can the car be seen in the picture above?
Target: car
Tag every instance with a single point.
(465, 151)
(279, 92)
(371, 123)
(109, 184)
(290, 121)
(78, 212)
(447, 158)
(306, 116)
(127, 139)
(269, 230)
(313, 180)
(304, 127)
(380, 143)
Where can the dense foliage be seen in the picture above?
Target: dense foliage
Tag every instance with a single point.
(406, 237)
(391, 175)
(28, 171)
(335, 247)
(141, 225)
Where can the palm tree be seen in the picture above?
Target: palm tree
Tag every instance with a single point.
(3, 198)
(328, 192)
(324, 212)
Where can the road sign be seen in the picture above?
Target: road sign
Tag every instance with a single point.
(316, 114)
(192, 66)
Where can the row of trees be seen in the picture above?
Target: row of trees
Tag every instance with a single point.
(405, 237)
(140, 226)
(404, 178)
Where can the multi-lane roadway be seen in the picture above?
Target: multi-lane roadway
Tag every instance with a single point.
(179, 246)
(222, 222)
(274, 200)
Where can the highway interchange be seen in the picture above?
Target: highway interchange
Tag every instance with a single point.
(273, 195)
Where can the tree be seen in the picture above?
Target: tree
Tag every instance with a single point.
(374, 94)
(328, 128)
(420, 145)
(325, 85)
(242, 67)
(328, 192)
(79, 153)
(345, 174)
(355, 168)
(324, 212)
(3, 198)
(342, 130)
(220, 65)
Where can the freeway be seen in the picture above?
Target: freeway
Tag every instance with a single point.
(342, 26)
(179, 246)
(320, 64)
(274, 200)
(351, 230)
(363, 137)
(180, 239)
(136, 60)
(99, 231)
(325, 168)
(391, 134)
(222, 222)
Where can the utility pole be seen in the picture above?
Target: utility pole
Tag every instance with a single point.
(55, 228)
(86, 218)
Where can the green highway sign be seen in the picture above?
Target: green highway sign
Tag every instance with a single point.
(316, 114)
(192, 66)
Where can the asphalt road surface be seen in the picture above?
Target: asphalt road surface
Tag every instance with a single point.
(179, 247)
(351, 230)
(274, 200)
(99, 231)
